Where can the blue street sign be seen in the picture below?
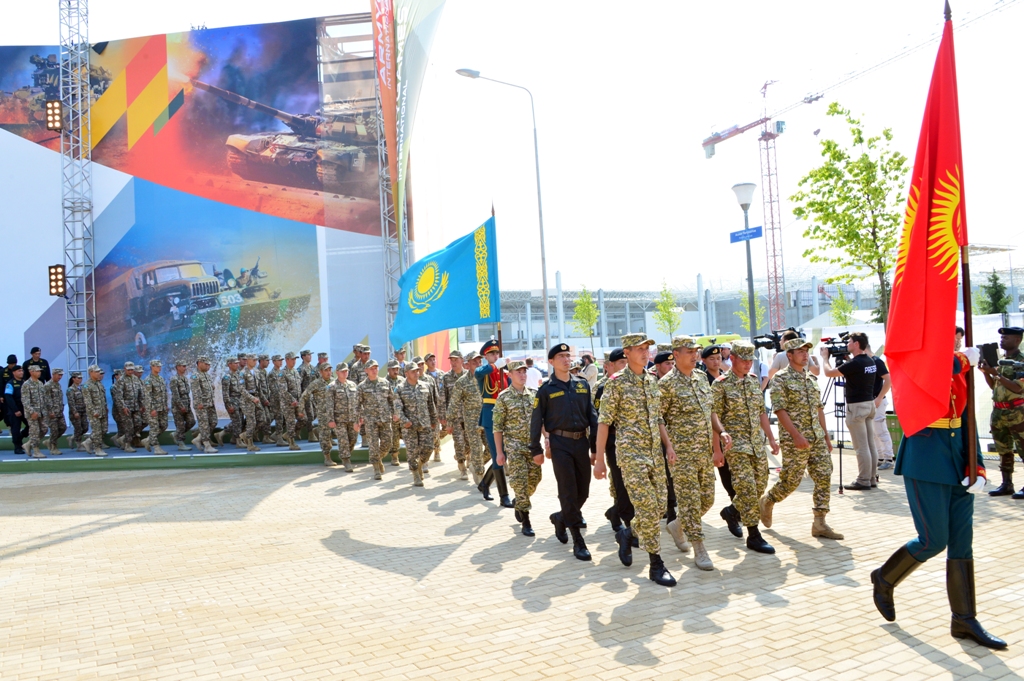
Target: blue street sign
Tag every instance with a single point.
(745, 235)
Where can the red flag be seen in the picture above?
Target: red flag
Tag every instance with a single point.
(922, 315)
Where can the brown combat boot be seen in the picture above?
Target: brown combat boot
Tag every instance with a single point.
(36, 453)
(463, 473)
(821, 529)
(219, 437)
(395, 460)
(53, 449)
(279, 438)
(208, 448)
(417, 478)
(348, 464)
(157, 449)
(292, 446)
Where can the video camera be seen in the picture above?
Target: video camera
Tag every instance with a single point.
(837, 347)
(1018, 367)
(773, 340)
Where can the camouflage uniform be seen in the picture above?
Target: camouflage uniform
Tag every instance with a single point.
(306, 376)
(136, 405)
(464, 409)
(357, 370)
(448, 381)
(686, 409)
(319, 397)
(76, 410)
(263, 415)
(124, 421)
(231, 393)
(512, 413)
(96, 411)
(344, 405)
(206, 411)
(181, 407)
(32, 398)
(1007, 425)
(396, 430)
(155, 399)
(632, 403)
(274, 393)
(739, 405)
(291, 391)
(439, 406)
(796, 392)
(250, 402)
(417, 406)
(53, 401)
(376, 406)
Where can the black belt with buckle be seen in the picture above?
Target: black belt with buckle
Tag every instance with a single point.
(571, 434)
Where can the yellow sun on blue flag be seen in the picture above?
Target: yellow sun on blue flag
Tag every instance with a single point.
(456, 286)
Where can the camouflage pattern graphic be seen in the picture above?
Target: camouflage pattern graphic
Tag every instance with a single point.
(35, 410)
(206, 412)
(250, 402)
(181, 407)
(523, 477)
(739, 405)
(155, 399)
(512, 414)
(53, 401)
(76, 410)
(96, 411)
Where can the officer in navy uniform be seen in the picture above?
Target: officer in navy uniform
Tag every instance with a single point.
(565, 412)
(934, 465)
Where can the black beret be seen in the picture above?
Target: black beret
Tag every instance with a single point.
(555, 349)
(36, 349)
(616, 355)
(710, 350)
(1011, 331)
(11, 359)
(662, 357)
(16, 367)
(490, 346)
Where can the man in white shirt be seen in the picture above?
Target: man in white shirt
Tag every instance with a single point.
(533, 375)
(589, 370)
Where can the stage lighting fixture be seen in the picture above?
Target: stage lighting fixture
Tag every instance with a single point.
(54, 115)
(58, 282)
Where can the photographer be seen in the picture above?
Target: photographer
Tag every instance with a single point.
(859, 373)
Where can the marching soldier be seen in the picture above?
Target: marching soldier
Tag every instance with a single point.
(458, 431)
(35, 409)
(564, 412)
(343, 400)
(435, 376)
(424, 377)
(263, 387)
(206, 411)
(53, 399)
(417, 409)
(117, 409)
(400, 358)
(632, 403)
(378, 410)
(621, 512)
(805, 443)
(712, 366)
(181, 405)
(512, 414)
(155, 403)
(122, 393)
(317, 395)
(464, 414)
(357, 370)
(686, 409)
(231, 393)
(738, 411)
(76, 410)
(250, 402)
(306, 375)
(1007, 421)
(492, 380)
(291, 392)
(396, 433)
(274, 392)
(95, 397)
(139, 418)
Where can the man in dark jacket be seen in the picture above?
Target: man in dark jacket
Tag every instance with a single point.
(15, 410)
(37, 360)
(6, 375)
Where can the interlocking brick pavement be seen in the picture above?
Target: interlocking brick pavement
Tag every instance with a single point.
(302, 572)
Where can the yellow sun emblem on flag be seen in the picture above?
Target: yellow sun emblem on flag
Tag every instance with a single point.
(430, 286)
(945, 225)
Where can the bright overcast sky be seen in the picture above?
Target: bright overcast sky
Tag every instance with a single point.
(624, 98)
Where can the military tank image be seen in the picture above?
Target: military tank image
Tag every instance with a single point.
(333, 149)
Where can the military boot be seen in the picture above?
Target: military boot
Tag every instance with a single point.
(821, 529)
(71, 443)
(437, 455)
(395, 459)
(313, 434)
(502, 484)
(329, 462)
(560, 533)
(463, 474)
(208, 447)
(127, 446)
(1005, 489)
(732, 518)
(157, 449)
(378, 470)
(755, 542)
(268, 438)
(675, 528)
(579, 547)
(53, 449)
(279, 438)
(291, 444)
(766, 505)
(117, 441)
(417, 478)
(36, 453)
(624, 538)
(137, 441)
(145, 445)
(613, 517)
(888, 577)
(527, 527)
(963, 603)
(80, 445)
(485, 485)
(219, 437)
(182, 447)
(700, 556)
(249, 445)
(348, 464)
(659, 574)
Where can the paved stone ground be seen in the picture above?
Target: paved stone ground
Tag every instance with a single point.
(302, 572)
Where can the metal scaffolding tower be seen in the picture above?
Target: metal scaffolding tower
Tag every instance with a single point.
(76, 185)
(772, 218)
(394, 245)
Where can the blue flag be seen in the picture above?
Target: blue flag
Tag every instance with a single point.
(456, 286)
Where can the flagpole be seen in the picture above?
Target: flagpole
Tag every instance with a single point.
(501, 347)
(972, 429)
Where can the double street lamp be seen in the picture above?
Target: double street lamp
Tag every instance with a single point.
(470, 73)
(745, 194)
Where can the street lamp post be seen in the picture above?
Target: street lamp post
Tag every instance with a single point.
(470, 73)
(744, 194)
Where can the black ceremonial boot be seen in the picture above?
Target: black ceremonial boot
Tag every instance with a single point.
(963, 603)
(887, 577)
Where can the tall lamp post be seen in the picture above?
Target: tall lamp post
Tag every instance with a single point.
(470, 73)
(744, 194)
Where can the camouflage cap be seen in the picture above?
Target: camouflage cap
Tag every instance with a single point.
(664, 347)
(357, 347)
(289, 355)
(129, 365)
(117, 372)
(323, 366)
(155, 363)
(303, 353)
(139, 368)
(371, 364)
(399, 351)
(633, 339)
(471, 355)
(687, 342)
(515, 365)
(742, 349)
(180, 363)
(56, 370)
(76, 374)
(393, 364)
(263, 356)
(321, 355)
(231, 360)
(241, 355)
(204, 359)
(796, 344)
(417, 360)
(342, 366)
(429, 355)
(455, 354)
(411, 366)
(276, 358)
(366, 348)
(607, 356)
(96, 369)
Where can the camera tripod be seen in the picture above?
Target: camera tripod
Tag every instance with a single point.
(839, 406)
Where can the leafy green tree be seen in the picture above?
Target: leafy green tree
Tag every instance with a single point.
(842, 308)
(666, 316)
(994, 299)
(586, 315)
(855, 203)
(744, 313)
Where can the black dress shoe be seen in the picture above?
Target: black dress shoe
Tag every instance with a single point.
(732, 518)
(857, 487)
(755, 542)
(560, 533)
(658, 573)
(1005, 489)
(624, 538)
(1018, 495)
(583, 522)
(613, 518)
(579, 547)
(527, 527)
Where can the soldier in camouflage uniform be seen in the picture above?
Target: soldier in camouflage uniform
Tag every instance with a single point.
(738, 410)
(266, 414)
(512, 413)
(274, 391)
(435, 376)
(632, 403)
(206, 410)
(231, 393)
(417, 408)
(343, 400)
(53, 400)
(378, 411)
(394, 380)
(457, 430)
(435, 395)
(181, 405)
(1007, 421)
(155, 404)
(122, 413)
(76, 410)
(318, 395)
(805, 443)
(464, 413)
(357, 370)
(95, 396)
(291, 407)
(306, 375)
(686, 409)
(139, 418)
(35, 409)
(250, 402)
